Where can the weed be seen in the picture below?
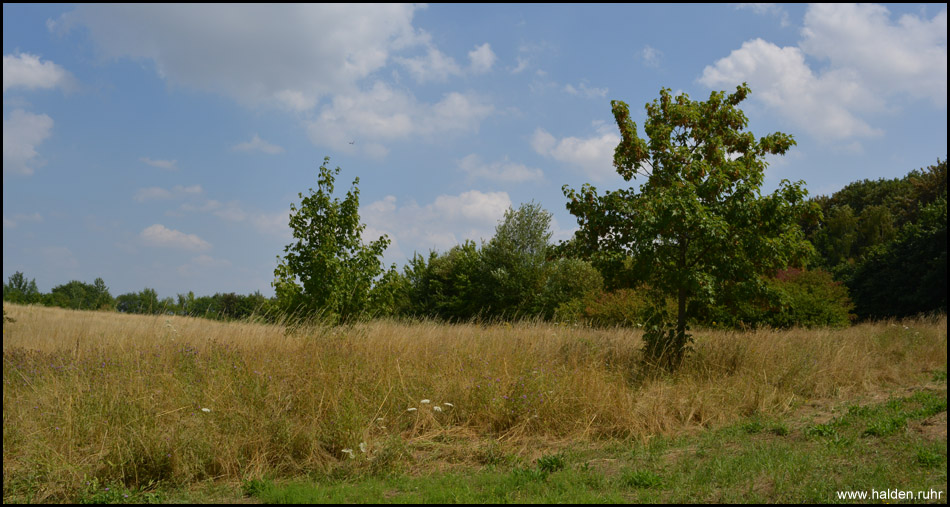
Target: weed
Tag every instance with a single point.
(551, 463)
(641, 479)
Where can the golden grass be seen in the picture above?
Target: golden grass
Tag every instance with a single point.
(120, 397)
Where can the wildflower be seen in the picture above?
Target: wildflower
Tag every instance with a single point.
(437, 408)
(411, 409)
(350, 452)
(424, 401)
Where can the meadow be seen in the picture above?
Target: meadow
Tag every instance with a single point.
(149, 405)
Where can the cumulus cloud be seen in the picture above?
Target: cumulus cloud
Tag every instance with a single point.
(779, 77)
(447, 221)
(288, 54)
(258, 144)
(592, 155)
(871, 60)
(482, 58)
(502, 171)
(439, 67)
(434, 66)
(159, 235)
(906, 56)
(382, 115)
(23, 70)
(23, 132)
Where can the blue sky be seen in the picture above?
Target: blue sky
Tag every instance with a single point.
(161, 146)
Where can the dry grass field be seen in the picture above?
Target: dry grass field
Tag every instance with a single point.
(140, 400)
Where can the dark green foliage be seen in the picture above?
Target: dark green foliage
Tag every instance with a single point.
(20, 291)
(886, 240)
(328, 272)
(794, 297)
(510, 277)
(77, 295)
(908, 275)
(445, 286)
(145, 302)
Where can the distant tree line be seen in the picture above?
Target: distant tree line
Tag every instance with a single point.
(78, 295)
(880, 250)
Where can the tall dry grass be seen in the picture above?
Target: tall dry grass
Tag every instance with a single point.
(143, 399)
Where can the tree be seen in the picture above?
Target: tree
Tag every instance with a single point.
(328, 270)
(514, 262)
(699, 227)
(18, 290)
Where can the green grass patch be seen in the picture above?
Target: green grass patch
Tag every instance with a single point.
(865, 448)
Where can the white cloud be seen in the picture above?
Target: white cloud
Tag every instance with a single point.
(161, 194)
(439, 67)
(19, 218)
(502, 171)
(159, 235)
(593, 155)
(870, 61)
(169, 165)
(23, 132)
(283, 54)
(447, 221)
(482, 58)
(258, 144)
(382, 115)
(906, 56)
(522, 65)
(23, 70)
(434, 66)
(582, 90)
(768, 9)
(651, 56)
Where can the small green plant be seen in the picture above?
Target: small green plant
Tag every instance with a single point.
(885, 426)
(930, 457)
(753, 427)
(551, 463)
(641, 479)
(821, 430)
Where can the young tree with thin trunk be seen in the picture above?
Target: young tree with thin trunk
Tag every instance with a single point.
(699, 227)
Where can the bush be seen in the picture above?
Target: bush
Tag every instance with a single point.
(621, 307)
(794, 297)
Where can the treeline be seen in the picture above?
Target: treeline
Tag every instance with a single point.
(78, 295)
(880, 251)
(886, 240)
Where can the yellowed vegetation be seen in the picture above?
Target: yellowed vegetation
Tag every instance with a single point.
(146, 399)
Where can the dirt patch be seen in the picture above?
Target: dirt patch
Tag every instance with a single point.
(933, 427)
